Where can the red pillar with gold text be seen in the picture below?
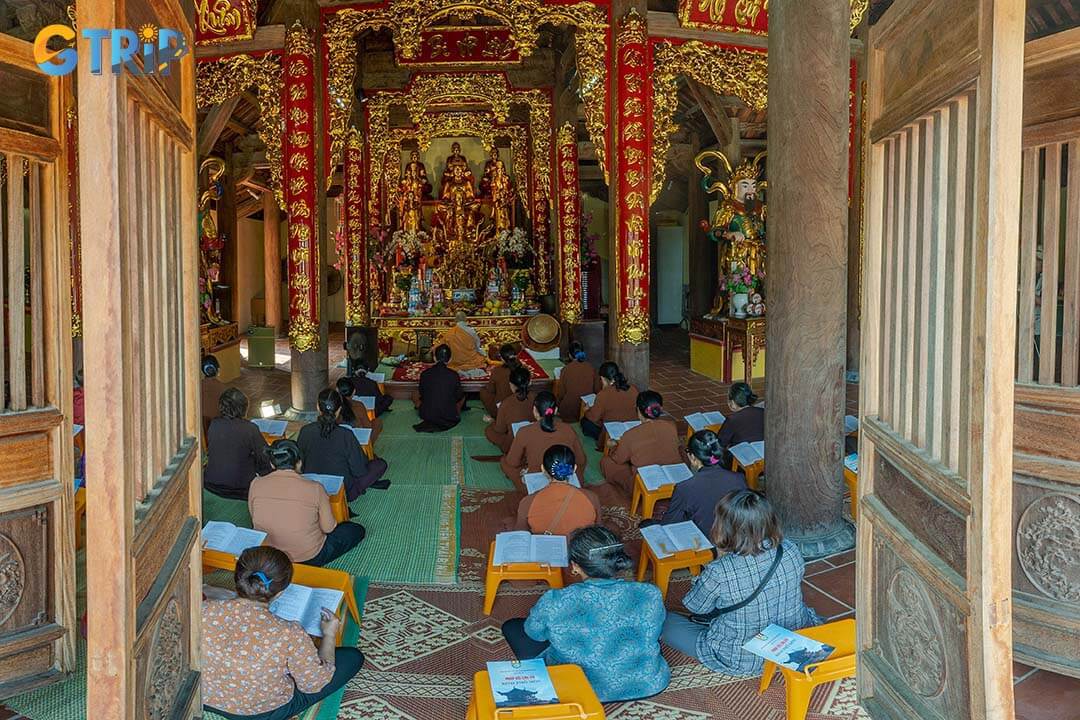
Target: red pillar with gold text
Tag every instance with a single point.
(357, 312)
(631, 180)
(303, 245)
(568, 254)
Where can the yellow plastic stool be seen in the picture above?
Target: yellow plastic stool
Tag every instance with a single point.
(496, 574)
(339, 505)
(578, 701)
(852, 480)
(752, 473)
(692, 560)
(647, 498)
(841, 664)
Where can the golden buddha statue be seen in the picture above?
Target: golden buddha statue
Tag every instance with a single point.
(455, 159)
(502, 198)
(410, 198)
(484, 190)
(416, 165)
(459, 228)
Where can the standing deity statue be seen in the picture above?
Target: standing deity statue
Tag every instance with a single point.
(739, 222)
(458, 225)
(502, 198)
(410, 195)
(484, 190)
(416, 165)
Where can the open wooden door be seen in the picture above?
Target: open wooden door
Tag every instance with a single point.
(140, 315)
(939, 313)
(37, 550)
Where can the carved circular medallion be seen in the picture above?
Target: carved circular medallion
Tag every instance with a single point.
(12, 575)
(165, 669)
(1048, 546)
(914, 634)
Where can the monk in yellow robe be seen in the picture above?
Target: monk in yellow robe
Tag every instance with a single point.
(467, 351)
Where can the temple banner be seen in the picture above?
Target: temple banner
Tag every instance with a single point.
(357, 311)
(464, 46)
(303, 245)
(569, 241)
(220, 21)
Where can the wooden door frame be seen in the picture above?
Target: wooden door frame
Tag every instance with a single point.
(54, 419)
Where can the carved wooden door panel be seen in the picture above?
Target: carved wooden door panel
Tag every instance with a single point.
(37, 550)
(939, 310)
(140, 319)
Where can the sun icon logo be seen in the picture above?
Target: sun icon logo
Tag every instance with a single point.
(148, 33)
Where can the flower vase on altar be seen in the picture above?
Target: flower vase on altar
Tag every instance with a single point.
(738, 304)
(740, 284)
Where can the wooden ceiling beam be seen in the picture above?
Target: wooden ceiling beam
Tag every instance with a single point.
(267, 38)
(666, 25)
(714, 112)
(211, 126)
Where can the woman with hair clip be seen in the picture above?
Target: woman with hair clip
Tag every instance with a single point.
(746, 421)
(353, 413)
(607, 625)
(559, 508)
(516, 407)
(696, 498)
(654, 442)
(362, 386)
(330, 449)
(578, 378)
(235, 449)
(257, 666)
(755, 581)
(499, 386)
(295, 512)
(616, 402)
(526, 453)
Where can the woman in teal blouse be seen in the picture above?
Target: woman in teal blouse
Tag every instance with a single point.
(608, 626)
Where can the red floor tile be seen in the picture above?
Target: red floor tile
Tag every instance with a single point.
(825, 606)
(1047, 696)
(839, 583)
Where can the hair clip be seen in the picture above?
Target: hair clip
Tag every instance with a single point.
(549, 411)
(562, 469)
(605, 548)
(261, 577)
(579, 355)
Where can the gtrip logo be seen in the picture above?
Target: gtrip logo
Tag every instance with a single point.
(157, 47)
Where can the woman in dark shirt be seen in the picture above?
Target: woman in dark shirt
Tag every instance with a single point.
(235, 449)
(363, 386)
(696, 498)
(332, 449)
(746, 423)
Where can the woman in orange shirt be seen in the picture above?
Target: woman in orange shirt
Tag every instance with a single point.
(561, 507)
(578, 378)
(614, 403)
(526, 453)
(499, 387)
(654, 442)
(515, 408)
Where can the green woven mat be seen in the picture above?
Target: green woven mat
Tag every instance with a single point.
(65, 700)
(401, 420)
(225, 510)
(416, 460)
(483, 475)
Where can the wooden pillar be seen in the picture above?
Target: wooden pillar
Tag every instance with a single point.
(806, 331)
(306, 203)
(855, 220)
(272, 260)
(628, 334)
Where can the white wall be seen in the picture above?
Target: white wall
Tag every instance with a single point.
(249, 267)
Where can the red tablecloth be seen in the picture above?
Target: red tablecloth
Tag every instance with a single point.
(409, 371)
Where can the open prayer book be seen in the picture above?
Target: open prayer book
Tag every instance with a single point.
(537, 481)
(302, 604)
(521, 682)
(655, 477)
(666, 540)
(787, 648)
(522, 546)
(518, 425)
(271, 426)
(851, 462)
(227, 538)
(588, 399)
(367, 401)
(748, 453)
(363, 435)
(331, 483)
(851, 424)
(377, 377)
(702, 420)
(615, 430)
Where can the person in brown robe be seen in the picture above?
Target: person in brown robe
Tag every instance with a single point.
(440, 396)
(498, 386)
(654, 442)
(515, 408)
(578, 378)
(353, 413)
(526, 453)
(616, 402)
(560, 508)
(745, 423)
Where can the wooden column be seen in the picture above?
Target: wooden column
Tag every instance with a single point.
(272, 260)
(806, 331)
(628, 331)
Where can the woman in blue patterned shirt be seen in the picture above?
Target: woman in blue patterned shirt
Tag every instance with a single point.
(748, 537)
(608, 626)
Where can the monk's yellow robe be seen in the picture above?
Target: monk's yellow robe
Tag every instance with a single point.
(464, 351)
